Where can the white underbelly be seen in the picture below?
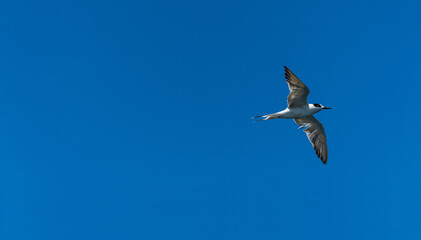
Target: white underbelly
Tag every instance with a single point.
(295, 113)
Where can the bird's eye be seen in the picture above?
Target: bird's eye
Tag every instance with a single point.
(317, 105)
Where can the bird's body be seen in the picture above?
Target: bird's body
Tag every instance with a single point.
(295, 112)
(302, 113)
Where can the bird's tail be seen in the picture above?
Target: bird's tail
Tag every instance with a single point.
(263, 117)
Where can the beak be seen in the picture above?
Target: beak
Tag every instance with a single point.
(327, 108)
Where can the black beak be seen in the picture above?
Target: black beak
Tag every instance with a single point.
(327, 108)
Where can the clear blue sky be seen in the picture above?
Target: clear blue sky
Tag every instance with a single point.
(131, 120)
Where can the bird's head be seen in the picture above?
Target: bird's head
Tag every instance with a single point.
(318, 107)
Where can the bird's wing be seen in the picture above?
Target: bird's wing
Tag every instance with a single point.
(316, 134)
(298, 92)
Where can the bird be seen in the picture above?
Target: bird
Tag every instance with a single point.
(302, 113)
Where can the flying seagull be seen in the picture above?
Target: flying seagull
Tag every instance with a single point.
(302, 113)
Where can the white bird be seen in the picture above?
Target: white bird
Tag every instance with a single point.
(302, 113)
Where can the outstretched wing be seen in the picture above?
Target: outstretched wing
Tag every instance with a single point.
(298, 92)
(316, 134)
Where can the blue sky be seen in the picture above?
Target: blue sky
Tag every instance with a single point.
(131, 120)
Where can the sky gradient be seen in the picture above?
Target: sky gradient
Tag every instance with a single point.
(131, 120)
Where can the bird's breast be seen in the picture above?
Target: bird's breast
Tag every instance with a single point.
(300, 112)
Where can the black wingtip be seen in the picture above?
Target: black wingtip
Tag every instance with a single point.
(324, 160)
(287, 73)
(319, 155)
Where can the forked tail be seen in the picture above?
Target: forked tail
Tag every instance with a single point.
(264, 117)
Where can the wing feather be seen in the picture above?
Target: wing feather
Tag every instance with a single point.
(298, 91)
(316, 134)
